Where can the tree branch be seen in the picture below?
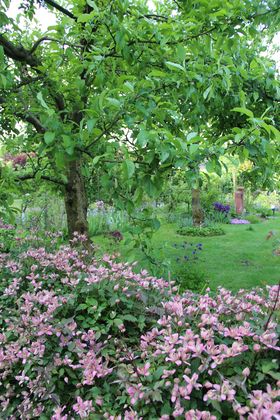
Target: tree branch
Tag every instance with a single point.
(25, 56)
(60, 8)
(44, 177)
(47, 38)
(18, 53)
(33, 120)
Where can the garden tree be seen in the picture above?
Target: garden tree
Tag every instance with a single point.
(128, 92)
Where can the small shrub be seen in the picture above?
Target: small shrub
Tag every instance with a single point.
(7, 233)
(185, 270)
(190, 277)
(265, 212)
(185, 221)
(217, 217)
(253, 219)
(201, 231)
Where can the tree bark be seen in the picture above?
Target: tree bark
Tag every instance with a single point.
(76, 203)
(197, 212)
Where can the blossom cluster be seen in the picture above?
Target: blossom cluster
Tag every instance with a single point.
(89, 337)
(19, 160)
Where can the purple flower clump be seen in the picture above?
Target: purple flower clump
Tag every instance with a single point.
(239, 222)
(222, 208)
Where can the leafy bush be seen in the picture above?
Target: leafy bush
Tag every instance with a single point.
(253, 219)
(201, 231)
(265, 212)
(7, 233)
(185, 221)
(70, 346)
(216, 217)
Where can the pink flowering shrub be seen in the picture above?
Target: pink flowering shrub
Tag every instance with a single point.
(211, 357)
(83, 337)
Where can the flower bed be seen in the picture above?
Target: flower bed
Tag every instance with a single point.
(88, 338)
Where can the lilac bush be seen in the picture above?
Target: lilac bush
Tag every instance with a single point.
(83, 337)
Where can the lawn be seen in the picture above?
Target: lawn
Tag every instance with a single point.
(241, 258)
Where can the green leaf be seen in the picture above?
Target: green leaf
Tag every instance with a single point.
(207, 92)
(274, 375)
(181, 52)
(158, 73)
(129, 86)
(164, 155)
(244, 111)
(85, 17)
(130, 318)
(49, 137)
(91, 124)
(156, 224)
(175, 66)
(96, 159)
(68, 144)
(41, 100)
(143, 137)
(118, 321)
(92, 4)
(191, 136)
(115, 102)
(193, 148)
(128, 168)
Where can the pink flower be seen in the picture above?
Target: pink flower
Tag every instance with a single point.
(144, 370)
(83, 408)
(246, 372)
(58, 414)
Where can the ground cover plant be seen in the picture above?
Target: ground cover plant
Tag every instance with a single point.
(88, 338)
(201, 231)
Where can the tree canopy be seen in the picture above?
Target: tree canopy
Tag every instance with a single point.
(126, 90)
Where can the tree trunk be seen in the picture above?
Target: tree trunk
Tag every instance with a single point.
(197, 212)
(76, 203)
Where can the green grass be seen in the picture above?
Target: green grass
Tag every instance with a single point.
(239, 259)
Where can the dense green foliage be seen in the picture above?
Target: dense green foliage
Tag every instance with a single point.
(201, 231)
(123, 93)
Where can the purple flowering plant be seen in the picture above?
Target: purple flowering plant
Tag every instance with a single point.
(222, 208)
